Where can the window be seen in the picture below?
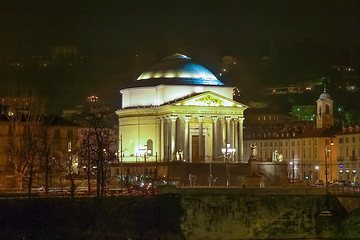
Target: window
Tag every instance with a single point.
(69, 146)
(347, 140)
(149, 147)
(327, 109)
(309, 152)
(353, 139)
(309, 142)
(270, 144)
(341, 140)
(275, 144)
(280, 144)
(293, 143)
(265, 144)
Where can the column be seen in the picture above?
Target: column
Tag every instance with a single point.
(223, 131)
(179, 136)
(166, 139)
(241, 139)
(236, 139)
(173, 137)
(228, 118)
(214, 138)
(162, 135)
(232, 133)
(201, 142)
(186, 138)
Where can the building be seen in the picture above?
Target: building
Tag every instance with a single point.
(179, 111)
(348, 154)
(48, 144)
(303, 146)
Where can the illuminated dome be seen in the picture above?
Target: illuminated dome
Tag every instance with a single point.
(178, 69)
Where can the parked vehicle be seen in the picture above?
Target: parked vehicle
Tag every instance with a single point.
(319, 182)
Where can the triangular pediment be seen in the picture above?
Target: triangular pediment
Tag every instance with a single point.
(209, 99)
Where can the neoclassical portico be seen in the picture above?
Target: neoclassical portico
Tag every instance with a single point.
(180, 133)
(180, 111)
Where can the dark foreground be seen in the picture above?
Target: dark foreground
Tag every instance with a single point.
(190, 214)
(90, 218)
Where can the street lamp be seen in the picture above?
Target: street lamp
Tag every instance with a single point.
(327, 212)
(326, 167)
(145, 154)
(228, 153)
(293, 172)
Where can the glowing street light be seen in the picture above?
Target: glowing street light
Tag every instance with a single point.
(228, 153)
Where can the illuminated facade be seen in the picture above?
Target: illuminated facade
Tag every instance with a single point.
(179, 111)
(348, 154)
(303, 146)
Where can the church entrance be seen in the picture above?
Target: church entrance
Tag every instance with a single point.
(195, 149)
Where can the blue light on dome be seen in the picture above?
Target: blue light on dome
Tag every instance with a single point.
(179, 69)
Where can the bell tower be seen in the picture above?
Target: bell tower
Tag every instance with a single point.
(325, 111)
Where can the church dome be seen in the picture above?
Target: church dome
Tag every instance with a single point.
(325, 96)
(178, 69)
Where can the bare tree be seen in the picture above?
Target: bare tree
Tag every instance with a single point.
(67, 161)
(64, 152)
(24, 115)
(46, 148)
(88, 154)
(100, 138)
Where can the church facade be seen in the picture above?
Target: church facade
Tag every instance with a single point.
(179, 111)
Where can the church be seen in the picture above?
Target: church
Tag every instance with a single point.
(179, 112)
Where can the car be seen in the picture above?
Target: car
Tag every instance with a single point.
(319, 182)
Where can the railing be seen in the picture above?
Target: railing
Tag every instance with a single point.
(344, 190)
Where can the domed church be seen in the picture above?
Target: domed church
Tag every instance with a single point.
(178, 110)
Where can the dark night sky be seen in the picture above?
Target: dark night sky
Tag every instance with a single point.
(307, 34)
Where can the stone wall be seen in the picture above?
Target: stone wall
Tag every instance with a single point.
(259, 216)
(194, 213)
